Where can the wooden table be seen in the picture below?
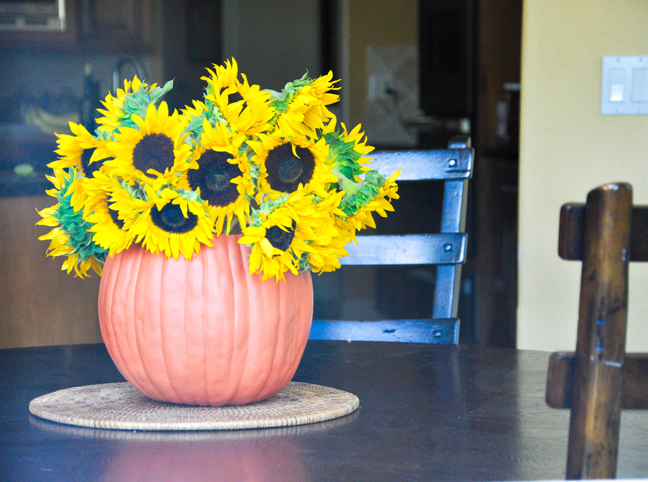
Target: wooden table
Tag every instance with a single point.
(426, 413)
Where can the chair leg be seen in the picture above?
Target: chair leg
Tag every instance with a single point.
(600, 348)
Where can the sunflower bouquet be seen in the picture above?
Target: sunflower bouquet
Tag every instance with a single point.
(274, 167)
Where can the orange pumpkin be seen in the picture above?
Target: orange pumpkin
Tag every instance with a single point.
(203, 332)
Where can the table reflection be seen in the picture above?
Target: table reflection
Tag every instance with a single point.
(228, 455)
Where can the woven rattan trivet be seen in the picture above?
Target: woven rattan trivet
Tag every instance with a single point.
(122, 406)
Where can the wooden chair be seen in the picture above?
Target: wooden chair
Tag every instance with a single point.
(445, 249)
(600, 379)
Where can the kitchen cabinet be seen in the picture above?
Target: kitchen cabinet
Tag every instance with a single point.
(41, 305)
(115, 24)
(92, 26)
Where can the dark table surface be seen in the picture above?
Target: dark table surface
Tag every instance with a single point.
(427, 412)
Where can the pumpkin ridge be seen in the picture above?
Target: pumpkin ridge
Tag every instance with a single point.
(204, 260)
(125, 264)
(307, 281)
(301, 313)
(107, 292)
(235, 257)
(296, 344)
(278, 338)
(283, 292)
(270, 292)
(288, 326)
(187, 324)
(126, 260)
(299, 290)
(164, 342)
(219, 320)
(135, 268)
(118, 328)
(216, 376)
(151, 382)
(296, 289)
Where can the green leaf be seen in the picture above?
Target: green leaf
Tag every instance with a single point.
(77, 229)
(190, 195)
(157, 92)
(269, 205)
(195, 126)
(283, 98)
(304, 264)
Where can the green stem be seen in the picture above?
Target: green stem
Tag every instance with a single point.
(350, 187)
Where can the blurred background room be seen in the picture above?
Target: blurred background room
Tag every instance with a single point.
(413, 73)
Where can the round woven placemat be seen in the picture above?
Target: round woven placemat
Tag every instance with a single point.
(122, 406)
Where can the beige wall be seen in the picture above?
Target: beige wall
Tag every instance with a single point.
(567, 148)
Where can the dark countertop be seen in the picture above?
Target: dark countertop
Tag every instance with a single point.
(13, 185)
(427, 412)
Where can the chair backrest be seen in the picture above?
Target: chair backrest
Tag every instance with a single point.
(446, 249)
(600, 379)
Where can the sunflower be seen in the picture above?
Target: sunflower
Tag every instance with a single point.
(276, 163)
(222, 177)
(85, 154)
(111, 213)
(328, 246)
(282, 231)
(287, 165)
(244, 107)
(222, 77)
(349, 149)
(362, 215)
(326, 257)
(81, 151)
(188, 113)
(304, 111)
(155, 153)
(70, 236)
(115, 111)
(169, 223)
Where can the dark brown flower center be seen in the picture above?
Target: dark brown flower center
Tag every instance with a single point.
(171, 219)
(154, 151)
(286, 171)
(87, 167)
(234, 97)
(214, 176)
(279, 238)
(114, 215)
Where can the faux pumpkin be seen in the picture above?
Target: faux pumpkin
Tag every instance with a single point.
(203, 332)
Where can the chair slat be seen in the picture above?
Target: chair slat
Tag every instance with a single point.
(447, 250)
(446, 301)
(560, 380)
(445, 331)
(425, 165)
(406, 249)
(570, 239)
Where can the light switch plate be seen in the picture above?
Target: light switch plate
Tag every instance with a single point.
(624, 85)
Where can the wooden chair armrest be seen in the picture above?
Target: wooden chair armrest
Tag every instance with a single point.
(570, 238)
(560, 380)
